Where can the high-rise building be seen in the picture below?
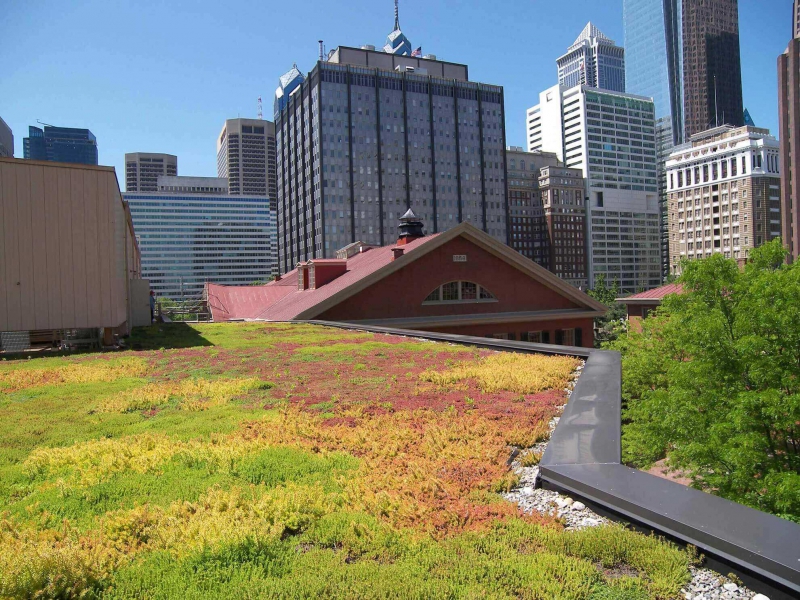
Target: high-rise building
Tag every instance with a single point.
(246, 156)
(593, 60)
(685, 55)
(789, 135)
(724, 194)
(60, 144)
(369, 134)
(546, 213)
(610, 137)
(6, 140)
(188, 238)
(142, 170)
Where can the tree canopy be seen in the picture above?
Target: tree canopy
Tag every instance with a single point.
(712, 382)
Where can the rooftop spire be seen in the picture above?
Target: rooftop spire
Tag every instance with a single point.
(396, 16)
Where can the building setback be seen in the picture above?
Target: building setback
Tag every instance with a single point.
(188, 239)
(593, 60)
(70, 258)
(789, 134)
(460, 281)
(246, 156)
(369, 134)
(142, 170)
(610, 138)
(6, 140)
(724, 194)
(60, 144)
(547, 213)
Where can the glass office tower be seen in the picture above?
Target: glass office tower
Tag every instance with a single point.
(190, 239)
(60, 144)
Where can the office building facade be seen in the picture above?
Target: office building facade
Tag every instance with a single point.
(368, 135)
(724, 194)
(142, 170)
(685, 55)
(192, 185)
(187, 240)
(246, 157)
(789, 135)
(593, 60)
(546, 213)
(6, 140)
(610, 138)
(60, 144)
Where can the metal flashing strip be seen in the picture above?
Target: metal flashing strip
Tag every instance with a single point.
(583, 458)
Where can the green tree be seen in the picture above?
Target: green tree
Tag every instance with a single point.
(613, 323)
(712, 382)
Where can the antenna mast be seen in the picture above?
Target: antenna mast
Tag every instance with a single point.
(260, 109)
(396, 16)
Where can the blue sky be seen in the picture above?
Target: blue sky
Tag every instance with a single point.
(155, 76)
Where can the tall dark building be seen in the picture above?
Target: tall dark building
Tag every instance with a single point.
(60, 144)
(369, 134)
(712, 70)
(789, 135)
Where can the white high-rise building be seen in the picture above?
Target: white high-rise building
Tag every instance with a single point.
(593, 60)
(246, 156)
(610, 136)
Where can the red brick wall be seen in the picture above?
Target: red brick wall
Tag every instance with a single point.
(401, 294)
(585, 325)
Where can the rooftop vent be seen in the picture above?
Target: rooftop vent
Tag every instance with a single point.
(368, 47)
(397, 253)
(351, 250)
(410, 228)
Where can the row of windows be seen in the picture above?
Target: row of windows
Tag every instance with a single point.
(459, 291)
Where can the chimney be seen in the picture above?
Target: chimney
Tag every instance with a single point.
(324, 270)
(277, 277)
(302, 276)
(397, 253)
(410, 228)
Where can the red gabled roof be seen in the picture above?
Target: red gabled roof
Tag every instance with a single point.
(282, 301)
(656, 294)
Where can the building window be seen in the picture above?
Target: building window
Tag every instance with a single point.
(535, 337)
(565, 337)
(460, 291)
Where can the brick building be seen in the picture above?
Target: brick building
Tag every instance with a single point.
(460, 281)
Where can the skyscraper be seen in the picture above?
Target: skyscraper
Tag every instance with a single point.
(369, 134)
(246, 156)
(593, 60)
(789, 135)
(142, 170)
(685, 55)
(610, 137)
(60, 144)
(6, 140)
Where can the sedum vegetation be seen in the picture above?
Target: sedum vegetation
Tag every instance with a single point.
(713, 381)
(292, 461)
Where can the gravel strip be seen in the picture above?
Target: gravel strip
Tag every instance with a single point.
(705, 584)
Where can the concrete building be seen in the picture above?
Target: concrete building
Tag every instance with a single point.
(593, 60)
(60, 144)
(246, 157)
(142, 170)
(6, 140)
(192, 185)
(789, 134)
(460, 281)
(547, 213)
(368, 135)
(189, 238)
(724, 194)
(70, 258)
(610, 138)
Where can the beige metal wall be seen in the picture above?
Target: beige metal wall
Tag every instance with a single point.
(66, 247)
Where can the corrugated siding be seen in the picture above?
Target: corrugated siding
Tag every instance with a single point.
(63, 238)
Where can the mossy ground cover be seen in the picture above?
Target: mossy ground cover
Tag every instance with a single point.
(277, 460)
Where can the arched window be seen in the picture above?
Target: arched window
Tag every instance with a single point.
(459, 291)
